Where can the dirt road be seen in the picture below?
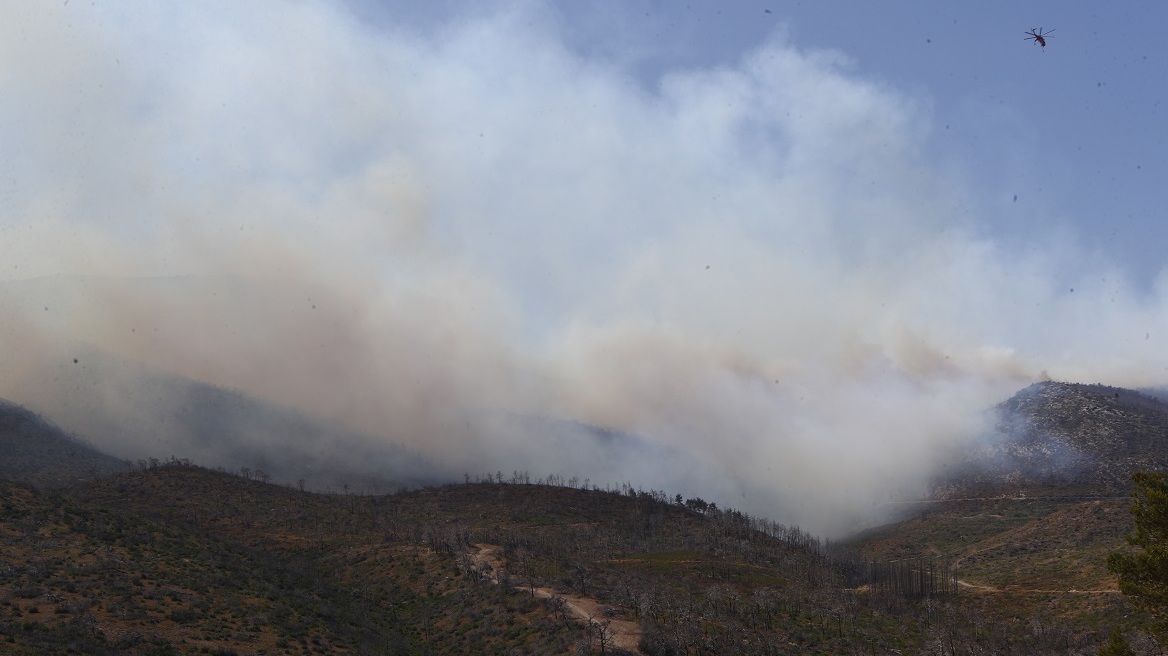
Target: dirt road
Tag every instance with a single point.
(1012, 590)
(624, 634)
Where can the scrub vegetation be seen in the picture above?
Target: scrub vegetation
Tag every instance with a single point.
(167, 557)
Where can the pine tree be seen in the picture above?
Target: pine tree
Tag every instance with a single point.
(1143, 572)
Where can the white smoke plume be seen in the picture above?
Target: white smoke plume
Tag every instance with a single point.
(418, 230)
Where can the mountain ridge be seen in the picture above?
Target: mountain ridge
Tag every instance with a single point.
(1073, 436)
(36, 452)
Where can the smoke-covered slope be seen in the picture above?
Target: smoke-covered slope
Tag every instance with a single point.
(1087, 437)
(34, 451)
(1029, 516)
(139, 412)
(243, 372)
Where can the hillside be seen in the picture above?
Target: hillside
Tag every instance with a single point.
(136, 411)
(1063, 438)
(1029, 516)
(175, 558)
(35, 452)
(179, 558)
(172, 558)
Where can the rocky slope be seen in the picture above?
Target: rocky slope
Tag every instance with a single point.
(1069, 437)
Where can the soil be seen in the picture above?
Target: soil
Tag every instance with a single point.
(625, 634)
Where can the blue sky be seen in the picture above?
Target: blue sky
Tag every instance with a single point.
(1076, 132)
(788, 243)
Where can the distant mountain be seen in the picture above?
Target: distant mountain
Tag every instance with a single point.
(139, 412)
(34, 451)
(290, 445)
(103, 371)
(1087, 437)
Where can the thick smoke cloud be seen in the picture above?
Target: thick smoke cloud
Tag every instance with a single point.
(762, 268)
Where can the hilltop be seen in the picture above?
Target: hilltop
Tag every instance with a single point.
(1063, 438)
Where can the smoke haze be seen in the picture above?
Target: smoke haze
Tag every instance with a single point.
(769, 271)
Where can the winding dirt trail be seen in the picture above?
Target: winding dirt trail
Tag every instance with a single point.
(625, 634)
(1012, 590)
